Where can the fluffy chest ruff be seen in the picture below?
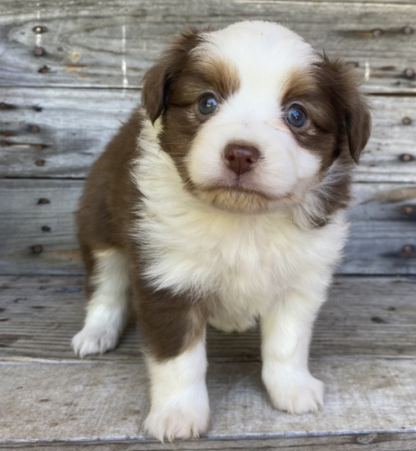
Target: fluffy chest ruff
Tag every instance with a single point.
(240, 264)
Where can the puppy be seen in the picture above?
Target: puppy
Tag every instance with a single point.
(222, 201)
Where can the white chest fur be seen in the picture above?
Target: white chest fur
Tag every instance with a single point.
(247, 262)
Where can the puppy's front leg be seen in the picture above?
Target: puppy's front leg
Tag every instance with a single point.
(174, 335)
(286, 334)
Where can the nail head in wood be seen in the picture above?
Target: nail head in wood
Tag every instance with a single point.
(409, 72)
(40, 162)
(406, 121)
(378, 320)
(37, 249)
(377, 32)
(407, 209)
(6, 106)
(406, 157)
(43, 201)
(408, 249)
(407, 30)
(39, 29)
(34, 129)
(39, 51)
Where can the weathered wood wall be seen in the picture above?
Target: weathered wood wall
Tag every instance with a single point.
(84, 44)
(37, 231)
(70, 73)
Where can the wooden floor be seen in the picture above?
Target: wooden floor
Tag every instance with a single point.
(364, 349)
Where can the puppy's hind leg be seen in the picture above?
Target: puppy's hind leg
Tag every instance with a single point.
(107, 308)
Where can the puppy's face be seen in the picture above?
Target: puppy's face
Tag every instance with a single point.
(252, 116)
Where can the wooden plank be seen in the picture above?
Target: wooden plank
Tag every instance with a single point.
(84, 46)
(352, 442)
(363, 316)
(382, 240)
(109, 401)
(72, 128)
(383, 232)
(60, 132)
(36, 226)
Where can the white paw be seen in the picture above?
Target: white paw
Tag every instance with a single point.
(182, 417)
(94, 340)
(293, 390)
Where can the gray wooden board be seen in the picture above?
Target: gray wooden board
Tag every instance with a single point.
(353, 442)
(383, 228)
(74, 126)
(108, 401)
(88, 46)
(49, 396)
(363, 316)
(22, 218)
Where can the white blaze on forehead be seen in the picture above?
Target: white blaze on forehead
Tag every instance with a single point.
(264, 53)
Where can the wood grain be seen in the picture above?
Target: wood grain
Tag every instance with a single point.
(382, 240)
(109, 401)
(352, 442)
(73, 127)
(85, 46)
(60, 132)
(363, 316)
(27, 208)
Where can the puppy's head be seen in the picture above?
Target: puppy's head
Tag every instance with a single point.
(252, 116)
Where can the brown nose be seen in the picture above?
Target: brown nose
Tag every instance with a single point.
(241, 158)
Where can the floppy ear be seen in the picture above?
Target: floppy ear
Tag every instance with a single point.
(358, 121)
(158, 79)
(350, 104)
(358, 129)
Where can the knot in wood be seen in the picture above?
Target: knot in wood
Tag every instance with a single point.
(37, 249)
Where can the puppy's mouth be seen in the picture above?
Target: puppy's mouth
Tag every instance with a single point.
(236, 197)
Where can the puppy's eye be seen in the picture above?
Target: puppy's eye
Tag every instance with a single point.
(208, 105)
(295, 116)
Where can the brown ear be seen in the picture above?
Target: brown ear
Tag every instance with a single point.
(349, 103)
(158, 79)
(358, 122)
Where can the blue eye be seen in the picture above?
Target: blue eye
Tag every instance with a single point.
(208, 105)
(295, 116)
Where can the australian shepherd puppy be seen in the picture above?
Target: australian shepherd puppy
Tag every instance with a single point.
(222, 201)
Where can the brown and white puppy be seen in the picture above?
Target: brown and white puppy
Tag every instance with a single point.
(222, 201)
